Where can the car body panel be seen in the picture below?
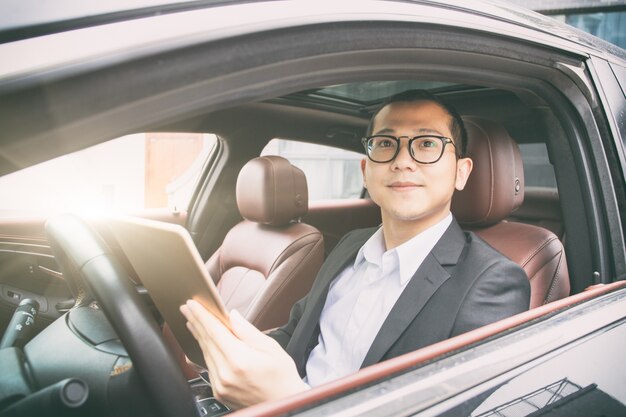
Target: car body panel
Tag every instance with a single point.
(414, 383)
(88, 48)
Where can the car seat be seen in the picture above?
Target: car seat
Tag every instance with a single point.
(269, 260)
(494, 190)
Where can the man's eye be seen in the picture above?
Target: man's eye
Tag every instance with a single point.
(428, 144)
(384, 143)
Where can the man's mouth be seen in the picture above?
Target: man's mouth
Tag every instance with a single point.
(404, 186)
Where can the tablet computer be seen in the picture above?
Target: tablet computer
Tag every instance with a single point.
(168, 264)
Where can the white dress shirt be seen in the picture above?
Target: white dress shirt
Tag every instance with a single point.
(361, 297)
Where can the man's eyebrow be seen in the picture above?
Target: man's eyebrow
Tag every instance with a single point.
(427, 130)
(421, 130)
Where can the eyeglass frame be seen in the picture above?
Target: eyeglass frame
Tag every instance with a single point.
(444, 139)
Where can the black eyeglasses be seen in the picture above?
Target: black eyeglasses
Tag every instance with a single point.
(425, 149)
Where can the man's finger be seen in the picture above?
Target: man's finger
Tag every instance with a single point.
(213, 355)
(195, 326)
(245, 331)
(217, 337)
(208, 323)
(205, 349)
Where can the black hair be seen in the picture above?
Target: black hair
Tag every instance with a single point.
(457, 127)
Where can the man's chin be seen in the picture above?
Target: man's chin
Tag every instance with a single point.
(408, 216)
(413, 216)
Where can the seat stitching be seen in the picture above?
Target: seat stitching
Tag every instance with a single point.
(536, 251)
(274, 264)
(288, 278)
(553, 282)
(240, 281)
(543, 265)
(263, 310)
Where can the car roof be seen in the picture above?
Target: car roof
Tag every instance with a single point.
(29, 18)
(108, 42)
(43, 64)
(23, 19)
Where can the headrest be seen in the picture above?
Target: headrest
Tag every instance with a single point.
(495, 187)
(271, 191)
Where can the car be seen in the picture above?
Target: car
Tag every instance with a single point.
(213, 85)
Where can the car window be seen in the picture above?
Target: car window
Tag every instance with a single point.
(133, 172)
(609, 25)
(334, 173)
(538, 171)
(331, 173)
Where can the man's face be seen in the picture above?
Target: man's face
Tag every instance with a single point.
(406, 190)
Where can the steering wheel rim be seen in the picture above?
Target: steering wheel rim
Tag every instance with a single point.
(89, 256)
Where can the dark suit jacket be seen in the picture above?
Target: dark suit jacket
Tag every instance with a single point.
(462, 284)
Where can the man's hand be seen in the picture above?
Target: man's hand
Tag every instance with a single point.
(245, 366)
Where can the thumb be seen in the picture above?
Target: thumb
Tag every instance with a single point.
(246, 332)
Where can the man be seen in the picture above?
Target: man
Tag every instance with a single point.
(382, 292)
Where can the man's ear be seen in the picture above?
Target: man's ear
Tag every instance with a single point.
(463, 170)
(363, 172)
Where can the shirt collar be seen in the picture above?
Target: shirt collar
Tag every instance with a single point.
(413, 252)
(410, 254)
(372, 250)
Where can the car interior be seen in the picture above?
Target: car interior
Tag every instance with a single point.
(524, 222)
(487, 206)
(263, 239)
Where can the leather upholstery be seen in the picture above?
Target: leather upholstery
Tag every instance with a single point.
(271, 191)
(262, 271)
(494, 190)
(335, 218)
(496, 186)
(268, 261)
(542, 208)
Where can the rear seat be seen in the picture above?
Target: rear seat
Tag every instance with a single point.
(541, 208)
(335, 218)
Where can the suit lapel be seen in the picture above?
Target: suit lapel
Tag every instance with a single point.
(427, 279)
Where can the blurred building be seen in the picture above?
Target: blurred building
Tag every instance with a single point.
(605, 19)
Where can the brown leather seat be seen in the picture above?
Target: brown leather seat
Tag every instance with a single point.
(269, 260)
(494, 190)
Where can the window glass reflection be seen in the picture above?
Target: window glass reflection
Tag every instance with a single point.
(610, 26)
(585, 380)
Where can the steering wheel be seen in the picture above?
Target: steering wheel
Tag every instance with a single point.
(87, 259)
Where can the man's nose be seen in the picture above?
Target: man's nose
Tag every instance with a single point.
(404, 159)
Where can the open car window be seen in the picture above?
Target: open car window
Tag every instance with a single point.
(331, 173)
(538, 171)
(130, 173)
